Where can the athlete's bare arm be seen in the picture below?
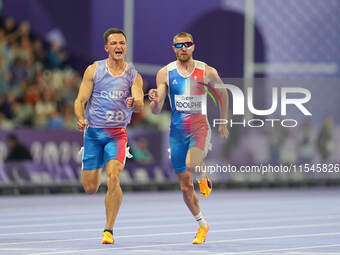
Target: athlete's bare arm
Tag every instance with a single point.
(85, 91)
(136, 102)
(158, 95)
(212, 79)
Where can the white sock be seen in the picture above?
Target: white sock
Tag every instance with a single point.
(200, 219)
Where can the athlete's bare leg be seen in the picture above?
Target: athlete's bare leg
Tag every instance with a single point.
(189, 195)
(91, 180)
(114, 193)
(195, 160)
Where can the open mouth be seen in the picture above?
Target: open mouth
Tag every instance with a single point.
(118, 53)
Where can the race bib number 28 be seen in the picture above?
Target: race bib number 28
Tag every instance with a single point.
(114, 116)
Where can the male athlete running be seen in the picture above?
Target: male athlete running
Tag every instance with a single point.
(185, 80)
(112, 89)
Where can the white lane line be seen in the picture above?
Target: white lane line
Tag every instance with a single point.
(187, 243)
(146, 220)
(181, 233)
(56, 241)
(287, 249)
(17, 212)
(121, 219)
(309, 252)
(27, 249)
(48, 215)
(122, 216)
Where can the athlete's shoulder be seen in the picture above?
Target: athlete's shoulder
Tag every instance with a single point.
(93, 65)
(171, 66)
(211, 75)
(101, 63)
(209, 70)
(90, 70)
(97, 69)
(97, 64)
(130, 66)
(131, 72)
(163, 71)
(162, 75)
(200, 64)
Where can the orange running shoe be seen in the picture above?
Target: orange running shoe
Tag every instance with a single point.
(107, 238)
(205, 186)
(201, 234)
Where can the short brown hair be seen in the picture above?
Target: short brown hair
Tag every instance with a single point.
(111, 31)
(183, 34)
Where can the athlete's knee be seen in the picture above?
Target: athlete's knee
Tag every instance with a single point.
(113, 170)
(90, 188)
(186, 185)
(112, 181)
(187, 188)
(91, 181)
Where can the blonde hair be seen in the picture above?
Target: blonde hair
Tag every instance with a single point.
(183, 34)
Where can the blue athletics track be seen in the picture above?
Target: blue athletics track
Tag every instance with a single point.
(278, 221)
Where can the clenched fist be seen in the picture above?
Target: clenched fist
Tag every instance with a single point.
(81, 124)
(153, 95)
(130, 102)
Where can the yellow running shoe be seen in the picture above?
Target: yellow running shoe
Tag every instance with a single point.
(107, 238)
(201, 234)
(205, 186)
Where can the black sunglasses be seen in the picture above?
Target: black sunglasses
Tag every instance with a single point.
(185, 44)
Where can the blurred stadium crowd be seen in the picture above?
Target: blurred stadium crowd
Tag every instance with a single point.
(37, 86)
